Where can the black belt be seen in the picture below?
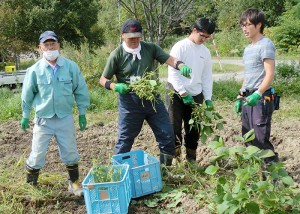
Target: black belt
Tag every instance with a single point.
(251, 91)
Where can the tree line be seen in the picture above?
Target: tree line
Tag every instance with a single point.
(98, 22)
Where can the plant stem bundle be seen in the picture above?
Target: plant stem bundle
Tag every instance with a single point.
(206, 120)
(149, 88)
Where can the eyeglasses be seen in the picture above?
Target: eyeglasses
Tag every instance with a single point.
(246, 25)
(49, 45)
(202, 36)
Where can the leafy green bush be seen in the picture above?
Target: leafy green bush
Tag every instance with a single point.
(287, 77)
(226, 90)
(26, 64)
(91, 62)
(102, 99)
(230, 43)
(237, 181)
(284, 70)
(286, 35)
(240, 182)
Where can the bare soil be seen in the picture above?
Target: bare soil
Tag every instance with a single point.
(98, 141)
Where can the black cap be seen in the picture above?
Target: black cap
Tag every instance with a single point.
(132, 28)
(48, 35)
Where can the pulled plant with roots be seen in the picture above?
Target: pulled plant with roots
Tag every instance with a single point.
(206, 120)
(150, 88)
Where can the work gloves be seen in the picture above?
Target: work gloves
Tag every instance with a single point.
(253, 99)
(24, 123)
(209, 103)
(122, 88)
(238, 106)
(185, 71)
(82, 122)
(187, 99)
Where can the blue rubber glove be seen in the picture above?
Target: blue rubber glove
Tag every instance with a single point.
(209, 103)
(185, 71)
(252, 100)
(82, 122)
(238, 106)
(24, 123)
(187, 99)
(122, 88)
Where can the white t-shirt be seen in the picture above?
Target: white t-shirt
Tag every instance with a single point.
(198, 58)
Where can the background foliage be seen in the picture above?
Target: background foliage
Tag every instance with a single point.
(90, 29)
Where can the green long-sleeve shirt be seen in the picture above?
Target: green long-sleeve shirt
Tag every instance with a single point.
(50, 93)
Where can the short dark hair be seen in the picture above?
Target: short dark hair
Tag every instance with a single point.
(255, 16)
(205, 25)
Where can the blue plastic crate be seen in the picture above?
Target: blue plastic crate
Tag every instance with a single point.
(145, 175)
(109, 197)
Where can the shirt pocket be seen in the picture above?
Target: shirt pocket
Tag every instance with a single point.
(44, 86)
(66, 85)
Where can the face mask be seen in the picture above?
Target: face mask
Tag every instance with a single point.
(51, 55)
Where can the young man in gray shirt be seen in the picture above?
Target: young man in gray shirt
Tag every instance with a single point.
(259, 63)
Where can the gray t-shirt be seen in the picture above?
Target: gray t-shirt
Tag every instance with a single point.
(253, 60)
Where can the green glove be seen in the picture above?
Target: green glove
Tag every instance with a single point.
(238, 106)
(122, 88)
(24, 123)
(185, 71)
(82, 122)
(187, 99)
(252, 100)
(209, 103)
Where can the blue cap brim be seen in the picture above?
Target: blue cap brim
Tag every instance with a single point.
(47, 38)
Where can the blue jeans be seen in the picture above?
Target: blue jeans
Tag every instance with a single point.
(132, 113)
(64, 132)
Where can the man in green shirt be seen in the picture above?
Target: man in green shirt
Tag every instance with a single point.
(129, 62)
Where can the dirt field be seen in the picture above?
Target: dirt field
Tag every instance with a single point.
(99, 139)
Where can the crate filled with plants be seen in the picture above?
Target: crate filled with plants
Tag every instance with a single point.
(107, 189)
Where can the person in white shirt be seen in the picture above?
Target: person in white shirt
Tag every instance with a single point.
(193, 89)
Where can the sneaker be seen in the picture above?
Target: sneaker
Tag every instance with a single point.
(75, 188)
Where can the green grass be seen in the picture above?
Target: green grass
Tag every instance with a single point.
(104, 102)
(225, 68)
(289, 108)
(226, 90)
(15, 194)
(10, 105)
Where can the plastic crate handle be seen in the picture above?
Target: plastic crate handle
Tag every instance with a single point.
(126, 157)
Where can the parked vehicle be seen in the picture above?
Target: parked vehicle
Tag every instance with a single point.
(11, 77)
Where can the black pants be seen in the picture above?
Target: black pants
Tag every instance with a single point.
(259, 118)
(180, 113)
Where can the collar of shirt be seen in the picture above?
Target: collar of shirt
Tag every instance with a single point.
(56, 66)
(135, 52)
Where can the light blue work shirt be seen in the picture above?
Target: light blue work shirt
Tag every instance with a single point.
(52, 93)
